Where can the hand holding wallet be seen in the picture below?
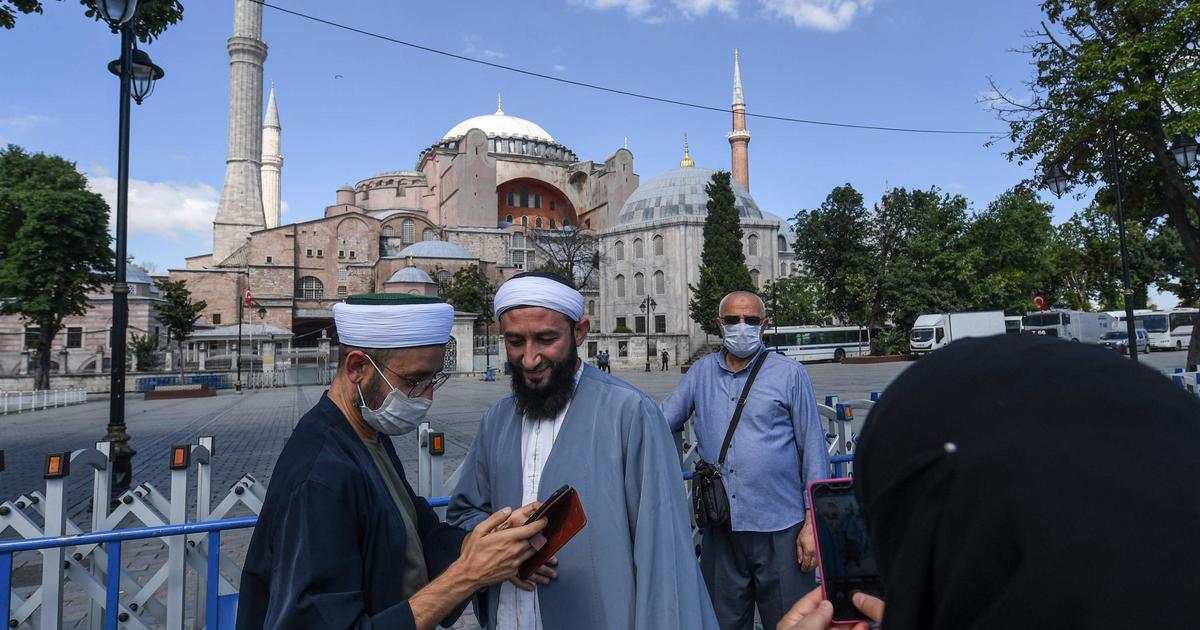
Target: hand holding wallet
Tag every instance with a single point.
(565, 518)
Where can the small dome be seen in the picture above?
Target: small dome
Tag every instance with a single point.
(434, 249)
(680, 192)
(411, 274)
(135, 275)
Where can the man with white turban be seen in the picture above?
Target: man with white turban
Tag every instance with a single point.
(342, 540)
(633, 566)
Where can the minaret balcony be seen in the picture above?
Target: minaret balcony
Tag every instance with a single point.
(740, 134)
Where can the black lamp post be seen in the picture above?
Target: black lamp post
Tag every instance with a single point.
(647, 306)
(487, 331)
(1059, 182)
(137, 74)
(1185, 148)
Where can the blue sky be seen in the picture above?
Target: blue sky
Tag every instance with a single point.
(352, 106)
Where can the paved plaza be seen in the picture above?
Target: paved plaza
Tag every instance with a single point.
(251, 428)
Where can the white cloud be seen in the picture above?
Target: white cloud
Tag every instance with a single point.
(697, 8)
(22, 122)
(635, 8)
(472, 48)
(825, 15)
(558, 67)
(283, 207)
(170, 210)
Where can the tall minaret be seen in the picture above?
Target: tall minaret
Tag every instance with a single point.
(272, 162)
(241, 208)
(739, 138)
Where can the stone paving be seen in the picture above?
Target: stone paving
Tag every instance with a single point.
(250, 429)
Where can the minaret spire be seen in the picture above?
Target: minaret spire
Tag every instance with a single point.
(272, 163)
(739, 137)
(686, 162)
(241, 209)
(499, 105)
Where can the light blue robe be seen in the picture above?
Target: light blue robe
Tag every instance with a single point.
(634, 565)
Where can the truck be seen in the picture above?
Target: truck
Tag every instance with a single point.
(937, 330)
(1080, 326)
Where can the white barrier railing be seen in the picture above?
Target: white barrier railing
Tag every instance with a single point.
(16, 402)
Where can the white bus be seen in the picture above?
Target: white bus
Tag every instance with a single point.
(818, 343)
(1180, 321)
(1156, 324)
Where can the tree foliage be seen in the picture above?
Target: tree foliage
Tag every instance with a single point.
(722, 261)
(178, 313)
(1014, 243)
(56, 245)
(570, 252)
(468, 290)
(1129, 66)
(794, 301)
(152, 18)
(833, 243)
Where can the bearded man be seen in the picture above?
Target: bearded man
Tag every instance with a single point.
(633, 566)
(342, 540)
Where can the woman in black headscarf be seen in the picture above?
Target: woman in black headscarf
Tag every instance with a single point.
(1025, 482)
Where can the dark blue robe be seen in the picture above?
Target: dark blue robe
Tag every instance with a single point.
(327, 544)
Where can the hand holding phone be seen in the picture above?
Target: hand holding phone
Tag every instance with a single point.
(845, 560)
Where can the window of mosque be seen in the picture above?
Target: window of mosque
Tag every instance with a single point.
(537, 222)
(552, 226)
(74, 337)
(389, 231)
(512, 199)
(658, 245)
(310, 288)
(754, 277)
(639, 283)
(638, 250)
(353, 254)
(660, 324)
(342, 274)
(622, 348)
(341, 291)
(591, 307)
(620, 285)
(537, 200)
(341, 253)
(308, 253)
(409, 228)
(401, 192)
(429, 235)
(216, 319)
(592, 349)
(782, 243)
(518, 240)
(268, 260)
(443, 276)
(752, 244)
(518, 258)
(525, 221)
(524, 197)
(619, 250)
(783, 269)
(621, 323)
(508, 218)
(552, 204)
(320, 253)
(639, 324)
(660, 282)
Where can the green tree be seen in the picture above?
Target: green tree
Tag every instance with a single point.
(722, 261)
(1013, 241)
(1177, 274)
(145, 348)
(153, 16)
(56, 245)
(1087, 262)
(1128, 65)
(833, 243)
(794, 301)
(178, 313)
(467, 291)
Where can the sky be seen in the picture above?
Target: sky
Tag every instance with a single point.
(352, 106)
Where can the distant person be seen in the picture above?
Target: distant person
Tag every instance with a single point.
(765, 556)
(977, 522)
(604, 362)
(342, 540)
(666, 358)
(633, 567)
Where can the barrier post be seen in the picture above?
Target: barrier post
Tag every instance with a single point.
(201, 453)
(6, 562)
(212, 589)
(101, 495)
(437, 452)
(176, 545)
(424, 465)
(55, 472)
(112, 585)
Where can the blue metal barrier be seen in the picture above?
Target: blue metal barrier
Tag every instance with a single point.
(212, 381)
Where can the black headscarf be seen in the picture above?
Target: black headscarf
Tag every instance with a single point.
(1024, 482)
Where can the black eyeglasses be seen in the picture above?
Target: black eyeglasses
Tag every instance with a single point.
(418, 387)
(733, 320)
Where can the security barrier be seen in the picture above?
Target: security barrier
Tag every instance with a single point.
(16, 402)
(211, 381)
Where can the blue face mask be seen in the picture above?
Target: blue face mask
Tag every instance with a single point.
(742, 340)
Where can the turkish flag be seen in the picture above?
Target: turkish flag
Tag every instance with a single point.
(247, 297)
(1038, 300)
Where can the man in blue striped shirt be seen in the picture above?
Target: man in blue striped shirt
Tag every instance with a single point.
(766, 556)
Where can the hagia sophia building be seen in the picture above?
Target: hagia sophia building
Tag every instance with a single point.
(495, 191)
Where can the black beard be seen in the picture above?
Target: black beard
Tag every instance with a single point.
(549, 398)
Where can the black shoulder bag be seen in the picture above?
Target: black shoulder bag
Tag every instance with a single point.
(709, 501)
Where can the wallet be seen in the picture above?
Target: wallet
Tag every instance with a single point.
(564, 515)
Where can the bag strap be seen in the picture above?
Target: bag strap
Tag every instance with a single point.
(737, 413)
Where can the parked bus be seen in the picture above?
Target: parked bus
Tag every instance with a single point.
(1180, 321)
(1156, 324)
(1068, 325)
(818, 343)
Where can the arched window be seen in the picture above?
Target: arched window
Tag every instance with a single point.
(619, 250)
(443, 276)
(591, 307)
(639, 283)
(620, 285)
(782, 242)
(525, 221)
(638, 250)
(518, 240)
(754, 277)
(524, 197)
(509, 218)
(537, 223)
(658, 245)
(410, 228)
(389, 231)
(429, 235)
(660, 282)
(552, 226)
(752, 245)
(310, 288)
(783, 269)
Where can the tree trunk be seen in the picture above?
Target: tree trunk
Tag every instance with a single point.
(180, 359)
(41, 367)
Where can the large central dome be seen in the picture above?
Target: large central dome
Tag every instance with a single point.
(680, 192)
(500, 125)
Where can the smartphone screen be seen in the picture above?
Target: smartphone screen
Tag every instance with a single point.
(845, 558)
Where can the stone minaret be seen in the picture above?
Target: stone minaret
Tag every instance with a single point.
(241, 208)
(739, 138)
(272, 162)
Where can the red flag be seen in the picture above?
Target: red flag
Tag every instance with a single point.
(247, 297)
(1038, 300)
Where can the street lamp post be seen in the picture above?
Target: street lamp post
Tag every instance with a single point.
(487, 331)
(647, 306)
(262, 360)
(138, 75)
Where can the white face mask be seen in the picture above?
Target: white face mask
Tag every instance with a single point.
(398, 414)
(742, 340)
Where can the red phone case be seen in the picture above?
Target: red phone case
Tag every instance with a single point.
(565, 518)
(820, 566)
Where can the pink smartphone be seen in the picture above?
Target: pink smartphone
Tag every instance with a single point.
(845, 559)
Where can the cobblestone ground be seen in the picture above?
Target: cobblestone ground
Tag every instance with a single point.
(250, 429)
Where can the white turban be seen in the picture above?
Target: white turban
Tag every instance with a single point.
(392, 320)
(539, 291)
